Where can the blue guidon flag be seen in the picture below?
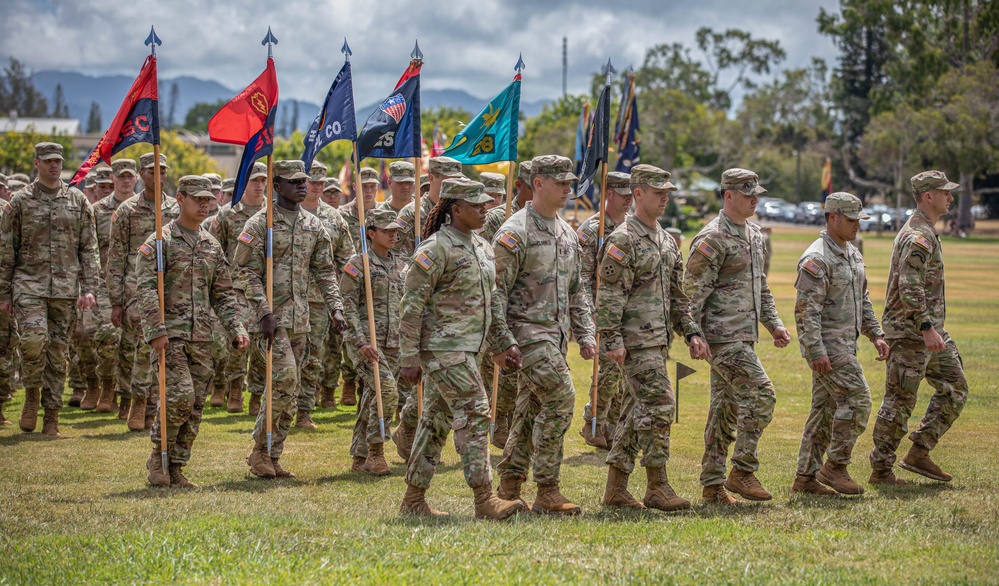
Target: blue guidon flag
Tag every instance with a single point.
(336, 118)
(392, 131)
(394, 106)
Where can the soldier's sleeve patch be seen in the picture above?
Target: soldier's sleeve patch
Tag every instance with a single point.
(146, 250)
(402, 223)
(812, 267)
(246, 238)
(924, 242)
(616, 253)
(215, 223)
(351, 270)
(424, 261)
(114, 216)
(508, 240)
(706, 249)
(583, 236)
(7, 207)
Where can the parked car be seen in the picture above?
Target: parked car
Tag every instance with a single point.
(787, 212)
(768, 208)
(809, 212)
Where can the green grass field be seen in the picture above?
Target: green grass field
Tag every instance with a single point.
(78, 510)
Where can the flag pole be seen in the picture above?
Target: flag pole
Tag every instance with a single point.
(153, 41)
(417, 55)
(270, 41)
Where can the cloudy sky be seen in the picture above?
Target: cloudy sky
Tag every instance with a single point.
(470, 45)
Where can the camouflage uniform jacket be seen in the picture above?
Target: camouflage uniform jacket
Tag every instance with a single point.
(387, 282)
(407, 220)
(725, 282)
(589, 246)
(387, 205)
(134, 221)
(49, 244)
(538, 287)
(915, 281)
(833, 307)
(196, 284)
(495, 218)
(447, 302)
(641, 291)
(105, 214)
(227, 225)
(343, 246)
(301, 249)
(349, 214)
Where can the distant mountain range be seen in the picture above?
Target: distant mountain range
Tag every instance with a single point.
(109, 90)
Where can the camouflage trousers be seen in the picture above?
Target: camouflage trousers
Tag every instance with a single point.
(646, 427)
(44, 325)
(9, 342)
(909, 363)
(454, 398)
(841, 406)
(543, 414)
(506, 395)
(127, 344)
(93, 353)
(741, 407)
(190, 370)
(312, 370)
(256, 367)
(289, 353)
(332, 359)
(235, 366)
(221, 350)
(366, 428)
(610, 388)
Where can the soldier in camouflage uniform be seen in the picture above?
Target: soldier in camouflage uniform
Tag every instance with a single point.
(439, 169)
(832, 310)
(132, 223)
(226, 227)
(197, 287)
(8, 332)
(332, 192)
(446, 310)
(402, 180)
(225, 193)
(538, 293)
(48, 260)
(913, 320)
(506, 395)
(319, 320)
(610, 379)
(333, 355)
(729, 296)
(301, 251)
(640, 298)
(387, 282)
(495, 184)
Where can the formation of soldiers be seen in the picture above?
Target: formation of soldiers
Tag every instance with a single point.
(442, 309)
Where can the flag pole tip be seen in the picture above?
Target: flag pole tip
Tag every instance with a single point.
(417, 54)
(520, 63)
(609, 68)
(152, 39)
(345, 49)
(270, 39)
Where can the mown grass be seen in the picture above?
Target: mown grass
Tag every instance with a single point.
(78, 510)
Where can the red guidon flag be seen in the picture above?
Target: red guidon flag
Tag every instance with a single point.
(246, 114)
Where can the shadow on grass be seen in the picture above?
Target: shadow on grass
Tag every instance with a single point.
(595, 458)
(912, 491)
(118, 435)
(20, 437)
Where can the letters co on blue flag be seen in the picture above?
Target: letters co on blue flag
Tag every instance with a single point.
(335, 120)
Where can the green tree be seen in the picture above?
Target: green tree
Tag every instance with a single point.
(332, 155)
(553, 130)
(171, 117)
(59, 107)
(888, 150)
(449, 120)
(17, 92)
(17, 151)
(94, 125)
(198, 116)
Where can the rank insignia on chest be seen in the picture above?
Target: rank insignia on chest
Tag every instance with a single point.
(146, 249)
(924, 242)
(705, 249)
(424, 261)
(616, 253)
(215, 224)
(507, 240)
(812, 267)
(351, 270)
(583, 236)
(246, 238)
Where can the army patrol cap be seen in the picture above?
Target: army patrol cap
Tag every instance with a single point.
(464, 189)
(3, 180)
(619, 183)
(402, 172)
(928, 180)
(557, 167)
(102, 175)
(524, 170)
(20, 177)
(195, 186)
(228, 185)
(215, 178)
(382, 219)
(847, 204)
(424, 180)
(45, 151)
(88, 181)
(318, 172)
(369, 175)
(654, 177)
(258, 170)
(15, 185)
(290, 170)
(494, 183)
(146, 161)
(122, 166)
(332, 184)
(445, 166)
(742, 180)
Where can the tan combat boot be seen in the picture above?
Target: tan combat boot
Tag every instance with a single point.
(659, 494)
(234, 404)
(157, 476)
(836, 477)
(349, 395)
(50, 425)
(254, 404)
(329, 398)
(502, 431)
(806, 483)
(218, 394)
(918, 461)
(357, 464)
(91, 397)
(885, 478)
(489, 506)
(280, 472)
(304, 420)
(716, 495)
(177, 477)
(509, 488)
(550, 501)
(616, 492)
(403, 437)
(598, 440)
(105, 404)
(375, 463)
(29, 413)
(77, 397)
(124, 406)
(260, 462)
(415, 503)
(747, 485)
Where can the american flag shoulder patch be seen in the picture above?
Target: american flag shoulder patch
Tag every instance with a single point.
(402, 223)
(7, 207)
(583, 236)
(246, 238)
(705, 249)
(616, 253)
(146, 250)
(812, 267)
(424, 261)
(215, 223)
(924, 242)
(351, 270)
(508, 240)
(114, 216)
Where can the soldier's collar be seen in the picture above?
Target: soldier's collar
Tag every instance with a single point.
(832, 244)
(639, 227)
(457, 236)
